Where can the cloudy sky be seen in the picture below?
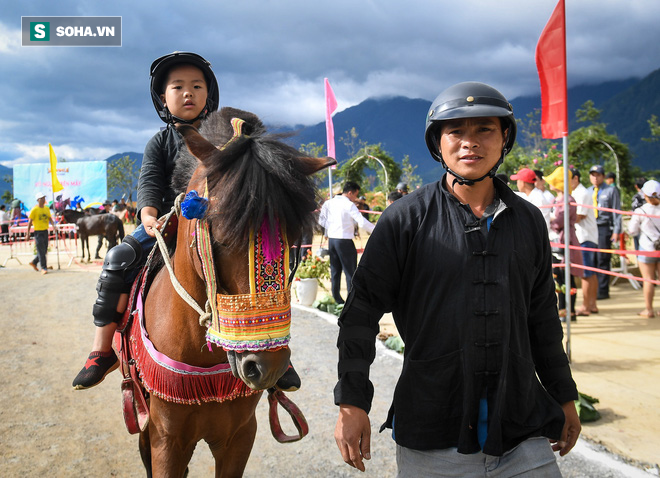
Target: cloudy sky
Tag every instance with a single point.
(271, 56)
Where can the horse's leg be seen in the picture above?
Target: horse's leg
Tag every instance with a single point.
(232, 457)
(98, 247)
(83, 240)
(145, 451)
(231, 460)
(171, 428)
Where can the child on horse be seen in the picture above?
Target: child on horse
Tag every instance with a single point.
(184, 90)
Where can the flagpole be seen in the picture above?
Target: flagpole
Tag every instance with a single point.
(567, 250)
(550, 59)
(57, 236)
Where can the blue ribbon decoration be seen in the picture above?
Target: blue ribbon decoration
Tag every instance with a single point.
(194, 206)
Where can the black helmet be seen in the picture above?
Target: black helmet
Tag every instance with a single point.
(158, 72)
(402, 187)
(469, 100)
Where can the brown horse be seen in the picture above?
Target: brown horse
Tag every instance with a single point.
(253, 179)
(94, 224)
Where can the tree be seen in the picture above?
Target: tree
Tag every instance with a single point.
(408, 175)
(316, 151)
(591, 144)
(7, 195)
(369, 156)
(655, 129)
(123, 176)
(352, 142)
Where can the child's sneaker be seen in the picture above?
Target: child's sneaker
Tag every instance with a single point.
(98, 365)
(290, 381)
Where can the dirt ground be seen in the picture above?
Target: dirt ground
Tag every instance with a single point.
(46, 428)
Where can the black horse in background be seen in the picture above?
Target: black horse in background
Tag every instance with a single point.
(101, 225)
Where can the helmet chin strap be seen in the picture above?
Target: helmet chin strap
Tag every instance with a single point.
(463, 181)
(176, 119)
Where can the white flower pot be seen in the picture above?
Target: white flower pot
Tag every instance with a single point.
(306, 290)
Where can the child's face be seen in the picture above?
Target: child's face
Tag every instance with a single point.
(185, 92)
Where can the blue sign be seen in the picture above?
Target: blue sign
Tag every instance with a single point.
(87, 179)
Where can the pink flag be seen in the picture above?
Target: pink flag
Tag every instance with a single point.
(330, 107)
(551, 64)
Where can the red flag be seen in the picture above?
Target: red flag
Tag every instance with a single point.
(551, 63)
(330, 107)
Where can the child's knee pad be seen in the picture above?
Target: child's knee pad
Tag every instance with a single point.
(111, 284)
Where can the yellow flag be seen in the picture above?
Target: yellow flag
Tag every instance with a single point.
(53, 170)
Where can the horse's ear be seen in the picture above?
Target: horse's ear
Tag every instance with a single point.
(198, 145)
(311, 165)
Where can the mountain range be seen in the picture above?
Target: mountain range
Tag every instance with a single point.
(397, 123)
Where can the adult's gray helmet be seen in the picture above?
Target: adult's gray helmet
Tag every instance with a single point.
(402, 187)
(159, 71)
(469, 100)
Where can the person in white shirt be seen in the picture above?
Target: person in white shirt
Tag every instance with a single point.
(525, 181)
(587, 233)
(5, 219)
(339, 216)
(649, 230)
(541, 186)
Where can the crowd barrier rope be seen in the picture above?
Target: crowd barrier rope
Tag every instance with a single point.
(634, 280)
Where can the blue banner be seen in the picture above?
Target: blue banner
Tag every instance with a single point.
(87, 179)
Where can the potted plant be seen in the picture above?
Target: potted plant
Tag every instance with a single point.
(308, 277)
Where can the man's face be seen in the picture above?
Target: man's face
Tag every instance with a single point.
(609, 181)
(353, 195)
(574, 182)
(41, 201)
(540, 184)
(471, 146)
(596, 178)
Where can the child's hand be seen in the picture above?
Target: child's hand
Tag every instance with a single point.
(150, 220)
(151, 224)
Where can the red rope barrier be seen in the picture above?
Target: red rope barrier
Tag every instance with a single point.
(601, 271)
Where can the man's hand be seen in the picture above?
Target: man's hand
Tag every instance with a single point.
(353, 435)
(571, 431)
(614, 238)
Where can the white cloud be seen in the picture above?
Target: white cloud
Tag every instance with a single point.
(271, 58)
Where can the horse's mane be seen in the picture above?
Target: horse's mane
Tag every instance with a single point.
(257, 178)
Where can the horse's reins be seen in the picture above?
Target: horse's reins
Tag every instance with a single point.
(206, 314)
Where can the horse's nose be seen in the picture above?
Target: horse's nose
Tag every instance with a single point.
(251, 370)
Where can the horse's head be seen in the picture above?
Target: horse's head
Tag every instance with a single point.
(260, 197)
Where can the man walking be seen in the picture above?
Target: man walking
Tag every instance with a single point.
(609, 223)
(464, 265)
(40, 217)
(339, 216)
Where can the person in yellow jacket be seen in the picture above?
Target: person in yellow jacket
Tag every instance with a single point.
(40, 218)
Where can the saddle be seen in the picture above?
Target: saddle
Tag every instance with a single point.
(134, 396)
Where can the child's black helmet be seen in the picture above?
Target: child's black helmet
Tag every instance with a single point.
(469, 100)
(158, 72)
